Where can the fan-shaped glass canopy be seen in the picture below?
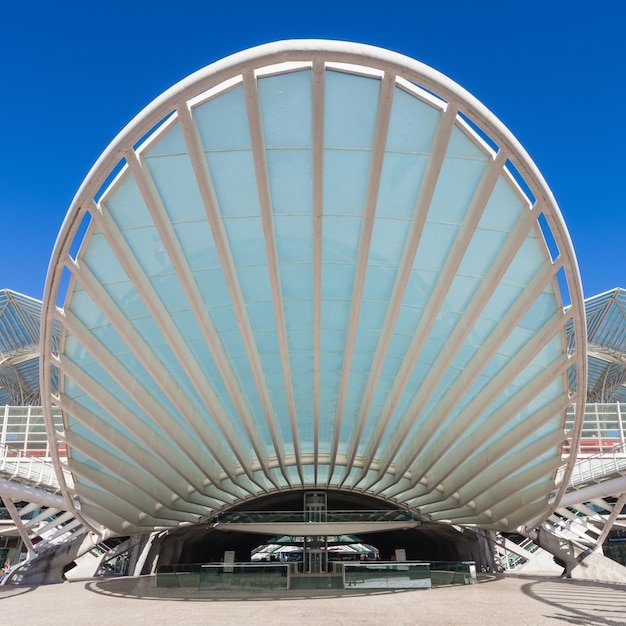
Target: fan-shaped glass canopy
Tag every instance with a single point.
(314, 264)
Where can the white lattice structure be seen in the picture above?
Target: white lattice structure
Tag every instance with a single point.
(314, 265)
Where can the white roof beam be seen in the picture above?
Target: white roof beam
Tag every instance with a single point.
(509, 498)
(255, 125)
(499, 448)
(211, 205)
(151, 466)
(161, 447)
(318, 91)
(610, 522)
(491, 477)
(427, 189)
(188, 283)
(439, 442)
(464, 235)
(466, 464)
(152, 364)
(138, 498)
(176, 342)
(455, 340)
(130, 514)
(427, 461)
(377, 156)
(19, 524)
(128, 494)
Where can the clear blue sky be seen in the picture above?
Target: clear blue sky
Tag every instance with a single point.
(74, 73)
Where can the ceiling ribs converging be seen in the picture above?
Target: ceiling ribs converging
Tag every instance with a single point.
(314, 265)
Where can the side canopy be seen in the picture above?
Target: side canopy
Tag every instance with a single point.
(20, 318)
(314, 264)
(606, 346)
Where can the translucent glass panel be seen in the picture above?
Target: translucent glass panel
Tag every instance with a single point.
(237, 237)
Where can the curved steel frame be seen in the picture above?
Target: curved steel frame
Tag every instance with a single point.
(315, 52)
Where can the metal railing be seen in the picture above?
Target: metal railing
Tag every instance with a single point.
(599, 466)
(16, 465)
(256, 517)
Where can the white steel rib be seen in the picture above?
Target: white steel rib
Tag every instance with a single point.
(314, 265)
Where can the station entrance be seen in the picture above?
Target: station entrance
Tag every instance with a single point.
(315, 547)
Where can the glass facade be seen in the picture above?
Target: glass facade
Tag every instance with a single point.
(327, 272)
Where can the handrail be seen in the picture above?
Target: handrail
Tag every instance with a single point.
(252, 517)
(599, 466)
(18, 464)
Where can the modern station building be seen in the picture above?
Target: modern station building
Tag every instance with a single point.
(320, 277)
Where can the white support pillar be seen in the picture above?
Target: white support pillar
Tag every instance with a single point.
(17, 520)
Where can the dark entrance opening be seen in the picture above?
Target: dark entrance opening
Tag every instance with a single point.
(430, 541)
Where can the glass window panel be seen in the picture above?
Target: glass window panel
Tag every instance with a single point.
(400, 182)
(481, 252)
(345, 181)
(197, 243)
(365, 343)
(212, 285)
(455, 189)
(86, 310)
(332, 340)
(335, 314)
(223, 121)
(247, 244)
(255, 283)
(291, 181)
(150, 251)
(350, 110)
(388, 237)
(419, 288)
(526, 263)
(234, 179)
(460, 294)
(503, 298)
(176, 183)
(170, 291)
(372, 315)
(337, 282)
(286, 109)
(101, 261)
(126, 205)
(225, 320)
(413, 124)
(262, 316)
(294, 238)
(434, 247)
(341, 236)
(299, 314)
(541, 310)
(296, 280)
(267, 344)
(503, 208)
(170, 142)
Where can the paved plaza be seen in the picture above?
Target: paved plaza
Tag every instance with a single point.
(495, 600)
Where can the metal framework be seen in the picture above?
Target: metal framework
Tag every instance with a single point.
(606, 346)
(20, 319)
(314, 264)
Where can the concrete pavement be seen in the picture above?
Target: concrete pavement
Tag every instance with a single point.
(498, 600)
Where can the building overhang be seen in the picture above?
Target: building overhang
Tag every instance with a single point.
(315, 265)
(310, 529)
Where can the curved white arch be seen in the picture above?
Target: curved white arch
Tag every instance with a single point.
(355, 289)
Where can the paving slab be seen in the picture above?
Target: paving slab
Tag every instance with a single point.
(496, 599)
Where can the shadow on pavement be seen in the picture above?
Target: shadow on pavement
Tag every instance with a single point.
(10, 591)
(579, 601)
